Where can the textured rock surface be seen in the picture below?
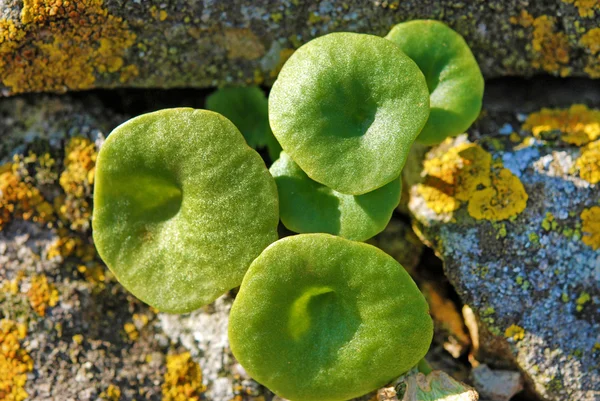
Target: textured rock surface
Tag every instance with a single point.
(512, 212)
(51, 45)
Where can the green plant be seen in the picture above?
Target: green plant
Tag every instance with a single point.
(182, 206)
(320, 317)
(346, 107)
(307, 206)
(453, 77)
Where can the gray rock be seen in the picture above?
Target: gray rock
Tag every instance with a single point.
(496, 385)
(504, 212)
(189, 43)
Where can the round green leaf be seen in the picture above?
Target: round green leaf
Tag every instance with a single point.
(453, 77)
(181, 207)
(322, 318)
(305, 206)
(347, 107)
(247, 108)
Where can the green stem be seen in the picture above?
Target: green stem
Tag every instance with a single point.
(424, 367)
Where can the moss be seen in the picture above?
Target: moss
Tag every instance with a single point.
(61, 44)
(465, 174)
(515, 332)
(591, 227)
(588, 164)
(42, 294)
(15, 362)
(577, 125)
(183, 379)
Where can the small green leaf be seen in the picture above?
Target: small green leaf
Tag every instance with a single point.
(347, 107)
(181, 207)
(322, 318)
(305, 206)
(247, 108)
(453, 77)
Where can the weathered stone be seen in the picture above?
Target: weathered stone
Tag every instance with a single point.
(511, 209)
(496, 385)
(48, 45)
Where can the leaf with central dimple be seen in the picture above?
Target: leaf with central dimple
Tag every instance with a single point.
(453, 77)
(347, 107)
(182, 206)
(323, 318)
(309, 207)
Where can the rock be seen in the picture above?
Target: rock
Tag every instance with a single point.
(83, 44)
(496, 385)
(513, 211)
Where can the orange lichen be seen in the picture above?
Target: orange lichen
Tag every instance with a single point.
(42, 294)
(588, 164)
(591, 227)
(577, 125)
(15, 362)
(464, 173)
(70, 245)
(515, 332)
(183, 380)
(550, 49)
(586, 8)
(19, 198)
(61, 44)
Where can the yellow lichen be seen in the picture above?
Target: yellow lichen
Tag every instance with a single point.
(515, 332)
(588, 164)
(464, 173)
(524, 19)
(586, 8)
(112, 393)
(61, 45)
(69, 245)
(15, 362)
(183, 380)
(505, 198)
(77, 181)
(78, 339)
(42, 294)
(591, 41)
(550, 49)
(583, 298)
(242, 43)
(578, 124)
(131, 331)
(591, 227)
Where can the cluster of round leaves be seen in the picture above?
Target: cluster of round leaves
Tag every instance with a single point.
(185, 210)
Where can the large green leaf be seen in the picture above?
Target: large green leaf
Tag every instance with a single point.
(305, 206)
(322, 318)
(181, 207)
(347, 107)
(453, 77)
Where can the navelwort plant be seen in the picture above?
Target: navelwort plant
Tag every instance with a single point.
(185, 210)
